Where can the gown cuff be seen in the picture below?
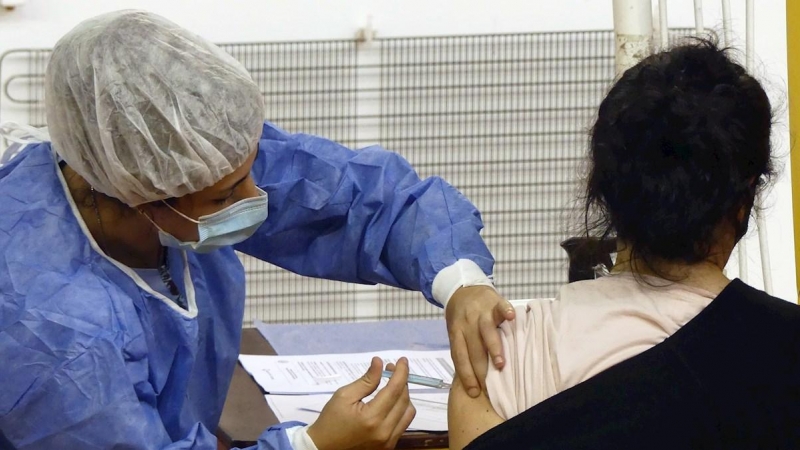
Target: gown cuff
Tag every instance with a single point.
(300, 439)
(462, 273)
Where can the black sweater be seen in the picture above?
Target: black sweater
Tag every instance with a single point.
(728, 379)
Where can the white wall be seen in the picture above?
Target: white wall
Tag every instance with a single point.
(39, 23)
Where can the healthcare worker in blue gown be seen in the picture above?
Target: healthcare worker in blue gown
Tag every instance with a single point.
(121, 297)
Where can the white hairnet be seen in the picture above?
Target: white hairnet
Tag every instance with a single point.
(145, 110)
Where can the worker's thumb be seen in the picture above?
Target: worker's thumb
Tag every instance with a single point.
(365, 385)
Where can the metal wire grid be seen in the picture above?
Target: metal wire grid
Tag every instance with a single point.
(22, 75)
(308, 87)
(501, 117)
(505, 119)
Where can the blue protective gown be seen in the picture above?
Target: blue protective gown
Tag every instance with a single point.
(92, 358)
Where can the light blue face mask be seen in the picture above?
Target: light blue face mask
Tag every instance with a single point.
(224, 228)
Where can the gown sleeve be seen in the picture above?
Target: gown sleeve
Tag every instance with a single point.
(359, 216)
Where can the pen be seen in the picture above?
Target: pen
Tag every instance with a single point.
(421, 380)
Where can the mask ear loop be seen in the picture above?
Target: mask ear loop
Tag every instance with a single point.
(149, 219)
(154, 222)
(180, 213)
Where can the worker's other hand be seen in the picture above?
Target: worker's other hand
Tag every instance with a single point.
(473, 315)
(346, 422)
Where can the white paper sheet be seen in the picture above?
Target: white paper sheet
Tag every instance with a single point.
(317, 374)
(431, 409)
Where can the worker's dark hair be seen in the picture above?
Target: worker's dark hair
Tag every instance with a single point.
(681, 144)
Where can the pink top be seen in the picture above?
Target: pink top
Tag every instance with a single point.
(555, 344)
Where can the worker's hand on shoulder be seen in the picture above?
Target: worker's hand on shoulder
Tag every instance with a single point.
(347, 422)
(473, 315)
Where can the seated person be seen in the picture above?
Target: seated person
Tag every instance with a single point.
(665, 351)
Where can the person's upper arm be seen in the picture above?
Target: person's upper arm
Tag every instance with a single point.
(467, 417)
(363, 217)
(531, 372)
(528, 377)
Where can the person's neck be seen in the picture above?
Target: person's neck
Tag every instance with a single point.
(707, 275)
(120, 231)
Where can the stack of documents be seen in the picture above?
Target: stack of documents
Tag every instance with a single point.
(298, 386)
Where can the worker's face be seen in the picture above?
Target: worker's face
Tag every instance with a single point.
(237, 186)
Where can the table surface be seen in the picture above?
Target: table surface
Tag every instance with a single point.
(246, 413)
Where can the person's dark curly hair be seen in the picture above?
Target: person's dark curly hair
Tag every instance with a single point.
(681, 144)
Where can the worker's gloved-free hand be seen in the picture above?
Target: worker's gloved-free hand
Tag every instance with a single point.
(473, 315)
(346, 422)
